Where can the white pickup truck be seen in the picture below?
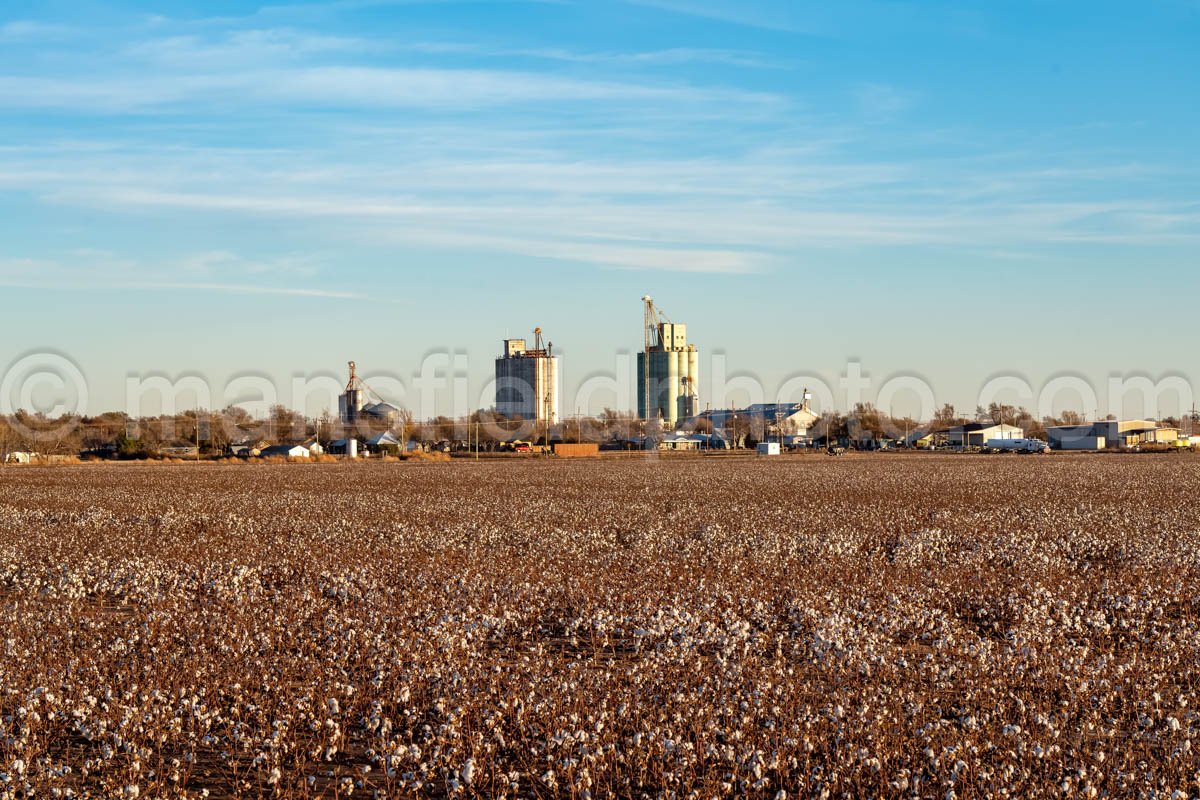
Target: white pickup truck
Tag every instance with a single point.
(1017, 446)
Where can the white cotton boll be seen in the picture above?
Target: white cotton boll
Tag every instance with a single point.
(332, 705)
(468, 772)
(275, 776)
(131, 791)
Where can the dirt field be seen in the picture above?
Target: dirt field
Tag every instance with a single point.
(889, 626)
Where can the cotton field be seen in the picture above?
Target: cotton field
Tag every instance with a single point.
(888, 626)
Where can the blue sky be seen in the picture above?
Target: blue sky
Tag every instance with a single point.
(948, 189)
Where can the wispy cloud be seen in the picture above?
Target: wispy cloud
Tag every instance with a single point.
(774, 15)
(880, 101)
(354, 87)
(57, 276)
(244, 47)
(96, 270)
(243, 289)
(32, 31)
(590, 156)
(734, 215)
(667, 57)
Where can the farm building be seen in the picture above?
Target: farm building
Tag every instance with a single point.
(921, 440)
(247, 448)
(1109, 434)
(977, 434)
(682, 441)
(795, 419)
(286, 451)
(384, 441)
(20, 457)
(1075, 437)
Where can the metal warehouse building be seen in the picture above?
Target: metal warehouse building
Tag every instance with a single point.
(1109, 434)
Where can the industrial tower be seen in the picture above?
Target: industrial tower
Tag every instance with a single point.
(350, 402)
(527, 381)
(668, 369)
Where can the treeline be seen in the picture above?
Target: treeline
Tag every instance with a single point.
(117, 435)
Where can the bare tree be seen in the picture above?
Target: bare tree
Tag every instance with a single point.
(7, 440)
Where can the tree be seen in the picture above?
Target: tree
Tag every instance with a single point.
(128, 448)
(832, 427)
(620, 424)
(737, 429)
(7, 440)
(286, 425)
(1071, 418)
(946, 417)
(443, 428)
(866, 419)
(402, 424)
(902, 427)
(324, 432)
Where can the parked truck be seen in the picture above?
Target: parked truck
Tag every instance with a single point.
(1017, 446)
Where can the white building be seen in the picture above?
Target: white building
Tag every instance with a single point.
(669, 374)
(978, 434)
(384, 440)
(788, 420)
(527, 381)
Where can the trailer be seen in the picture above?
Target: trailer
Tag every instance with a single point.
(1016, 446)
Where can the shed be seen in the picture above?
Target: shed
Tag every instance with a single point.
(383, 440)
(977, 434)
